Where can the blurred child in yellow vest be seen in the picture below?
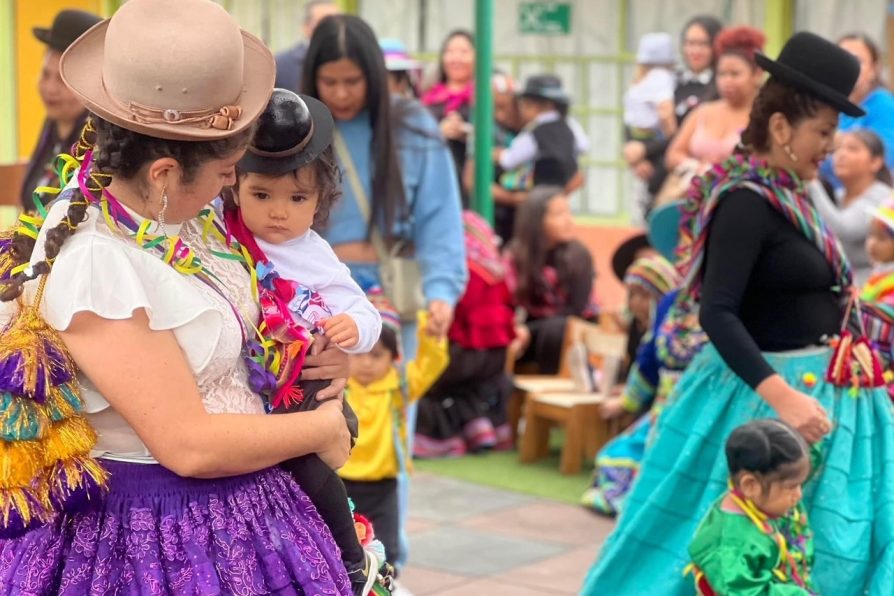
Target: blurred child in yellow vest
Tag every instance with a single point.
(379, 390)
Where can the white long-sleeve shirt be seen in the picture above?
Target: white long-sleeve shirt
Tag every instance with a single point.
(310, 261)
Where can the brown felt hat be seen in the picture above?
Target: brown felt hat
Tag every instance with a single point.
(171, 69)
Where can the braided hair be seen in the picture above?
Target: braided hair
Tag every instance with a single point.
(767, 447)
(118, 152)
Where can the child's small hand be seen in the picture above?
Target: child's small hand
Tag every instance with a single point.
(342, 331)
(440, 316)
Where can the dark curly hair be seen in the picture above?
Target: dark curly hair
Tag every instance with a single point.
(117, 152)
(775, 97)
(326, 179)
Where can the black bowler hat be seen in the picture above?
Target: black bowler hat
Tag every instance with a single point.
(817, 67)
(625, 254)
(545, 86)
(67, 27)
(293, 130)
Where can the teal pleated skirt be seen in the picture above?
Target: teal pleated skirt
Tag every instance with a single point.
(850, 499)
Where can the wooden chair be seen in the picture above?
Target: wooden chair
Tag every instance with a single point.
(12, 176)
(527, 383)
(547, 406)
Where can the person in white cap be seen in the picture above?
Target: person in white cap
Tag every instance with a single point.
(649, 103)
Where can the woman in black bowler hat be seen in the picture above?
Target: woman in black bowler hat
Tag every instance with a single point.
(65, 114)
(771, 286)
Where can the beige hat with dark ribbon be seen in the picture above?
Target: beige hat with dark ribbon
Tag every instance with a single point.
(172, 69)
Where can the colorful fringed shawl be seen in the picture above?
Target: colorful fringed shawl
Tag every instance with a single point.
(854, 362)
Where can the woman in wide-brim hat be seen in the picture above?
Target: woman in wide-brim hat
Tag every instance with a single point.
(159, 320)
(771, 286)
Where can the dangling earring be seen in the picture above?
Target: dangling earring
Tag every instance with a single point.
(164, 207)
(791, 154)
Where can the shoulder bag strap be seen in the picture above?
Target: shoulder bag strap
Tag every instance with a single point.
(359, 193)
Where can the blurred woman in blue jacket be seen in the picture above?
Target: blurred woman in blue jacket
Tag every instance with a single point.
(406, 172)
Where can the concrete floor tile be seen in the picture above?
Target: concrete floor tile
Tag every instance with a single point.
(491, 587)
(563, 574)
(425, 582)
(546, 520)
(444, 500)
(417, 524)
(466, 551)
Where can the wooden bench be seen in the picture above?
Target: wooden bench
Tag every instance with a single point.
(558, 401)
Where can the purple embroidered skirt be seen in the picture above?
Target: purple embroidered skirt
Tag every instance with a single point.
(158, 533)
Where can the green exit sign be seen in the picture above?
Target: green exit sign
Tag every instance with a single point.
(545, 18)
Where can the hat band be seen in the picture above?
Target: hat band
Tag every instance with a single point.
(286, 152)
(220, 118)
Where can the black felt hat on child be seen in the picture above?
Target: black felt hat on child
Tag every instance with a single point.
(293, 130)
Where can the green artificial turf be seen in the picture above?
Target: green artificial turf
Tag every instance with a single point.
(503, 470)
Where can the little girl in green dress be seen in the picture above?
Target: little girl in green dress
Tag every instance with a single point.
(756, 540)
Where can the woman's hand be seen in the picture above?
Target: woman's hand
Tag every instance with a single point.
(339, 449)
(801, 411)
(325, 361)
(612, 408)
(440, 316)
(805, 414)
(453, 126)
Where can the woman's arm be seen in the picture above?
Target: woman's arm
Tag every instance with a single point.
(678, 150)
(144, 375)
(438, 229)
(741, 223)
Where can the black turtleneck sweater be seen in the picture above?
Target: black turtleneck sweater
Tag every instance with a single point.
(766, 287)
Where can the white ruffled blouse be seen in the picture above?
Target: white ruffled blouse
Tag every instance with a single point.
(104, 272)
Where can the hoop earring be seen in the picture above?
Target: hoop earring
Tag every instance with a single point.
(164, 207)
(791, 154)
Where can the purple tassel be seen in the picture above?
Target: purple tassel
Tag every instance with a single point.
(12, 379)
(16, 524)
(59, 371)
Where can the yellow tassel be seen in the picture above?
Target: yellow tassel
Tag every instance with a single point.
(71, 473)
(69, 438)
(20, 463)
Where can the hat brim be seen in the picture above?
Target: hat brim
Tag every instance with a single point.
(81, 69)
(664, 229)
(278, 166)
(560, 99)
(884, 216)
(45, 36)
(625, 254)
(789, 76)
(401, 64)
